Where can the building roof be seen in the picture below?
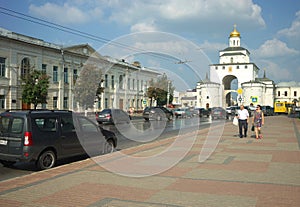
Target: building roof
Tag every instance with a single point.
(288, 84)
(28, 39)
(233, 49)
(233, 54)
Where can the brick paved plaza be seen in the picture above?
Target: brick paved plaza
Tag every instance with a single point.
(240, 172)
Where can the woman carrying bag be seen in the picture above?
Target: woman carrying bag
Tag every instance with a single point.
(257, 121)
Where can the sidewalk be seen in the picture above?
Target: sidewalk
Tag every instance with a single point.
(241, 172)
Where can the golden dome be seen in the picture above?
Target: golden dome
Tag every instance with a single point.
(234, 33)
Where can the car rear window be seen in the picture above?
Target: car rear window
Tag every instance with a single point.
(105, 111)
(11, 124)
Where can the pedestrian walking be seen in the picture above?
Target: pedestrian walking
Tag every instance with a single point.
(243, 117)
(258, 121)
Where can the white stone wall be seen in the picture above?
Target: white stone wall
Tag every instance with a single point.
(288, 93)
(208, 93)
(243, 72)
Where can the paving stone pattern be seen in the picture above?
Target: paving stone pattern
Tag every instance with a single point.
(240, 172)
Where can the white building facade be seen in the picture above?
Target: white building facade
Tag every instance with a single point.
(124, 83)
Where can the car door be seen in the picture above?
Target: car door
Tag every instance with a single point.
(70, 144)
(90, 136)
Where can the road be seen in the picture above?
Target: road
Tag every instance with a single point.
(138, 132)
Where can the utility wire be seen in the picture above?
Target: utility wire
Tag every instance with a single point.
(42, 22)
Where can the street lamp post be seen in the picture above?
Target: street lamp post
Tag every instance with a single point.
(168, 94)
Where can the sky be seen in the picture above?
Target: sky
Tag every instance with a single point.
(160, 33)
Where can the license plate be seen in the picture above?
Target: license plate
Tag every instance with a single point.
(101, 116)
(3, 142)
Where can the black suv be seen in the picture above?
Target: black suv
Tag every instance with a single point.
(44, 136)
(157, 113)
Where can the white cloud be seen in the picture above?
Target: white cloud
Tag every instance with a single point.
(176, 16)
(212, 47)
(294, 30)
(59, 13)
(274, 48)
(143, 27)
(273, 69)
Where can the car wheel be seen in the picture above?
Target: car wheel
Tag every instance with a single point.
(46, 160)
(108, 146)
(7, 163)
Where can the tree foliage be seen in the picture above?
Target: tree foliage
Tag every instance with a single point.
(158, 90)
(35, 88)
(88, 86)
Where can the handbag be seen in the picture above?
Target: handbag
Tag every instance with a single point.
(235, 121)
(252, 128)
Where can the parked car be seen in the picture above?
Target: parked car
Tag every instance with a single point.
(45, 136)
(232, 111)
(204, 112)
(157, 113)
(113, 116)
(218, 113)
(182, 112)
(267, 110)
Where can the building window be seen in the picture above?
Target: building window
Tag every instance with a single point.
(65, 103)
(128, 83)
(55, 102)
(44, 68)
(295, 93)
(75, 75)
(216, 67)
(106, 103)
(112, 82)
(99, 103)
(2, 67)
(2, 102)
(246, 66)
(285, 93)
(231, 59)
(237, 67)
(44, 105)
(55, 72)
(25, 67)
(278, 93)
(133, 84)
(106, 80)
(223, 67)
(65, 75)
(121, 82)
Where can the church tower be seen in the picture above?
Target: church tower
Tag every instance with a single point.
(234, 67)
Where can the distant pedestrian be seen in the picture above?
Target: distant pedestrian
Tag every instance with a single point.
(243, 117)
(258, 120)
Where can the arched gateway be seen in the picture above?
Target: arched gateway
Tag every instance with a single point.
(233, 69)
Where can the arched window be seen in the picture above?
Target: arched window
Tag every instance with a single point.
(25, 67)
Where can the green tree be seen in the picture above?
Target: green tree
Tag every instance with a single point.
(35, 88)
(88, 86)
(158, 90)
